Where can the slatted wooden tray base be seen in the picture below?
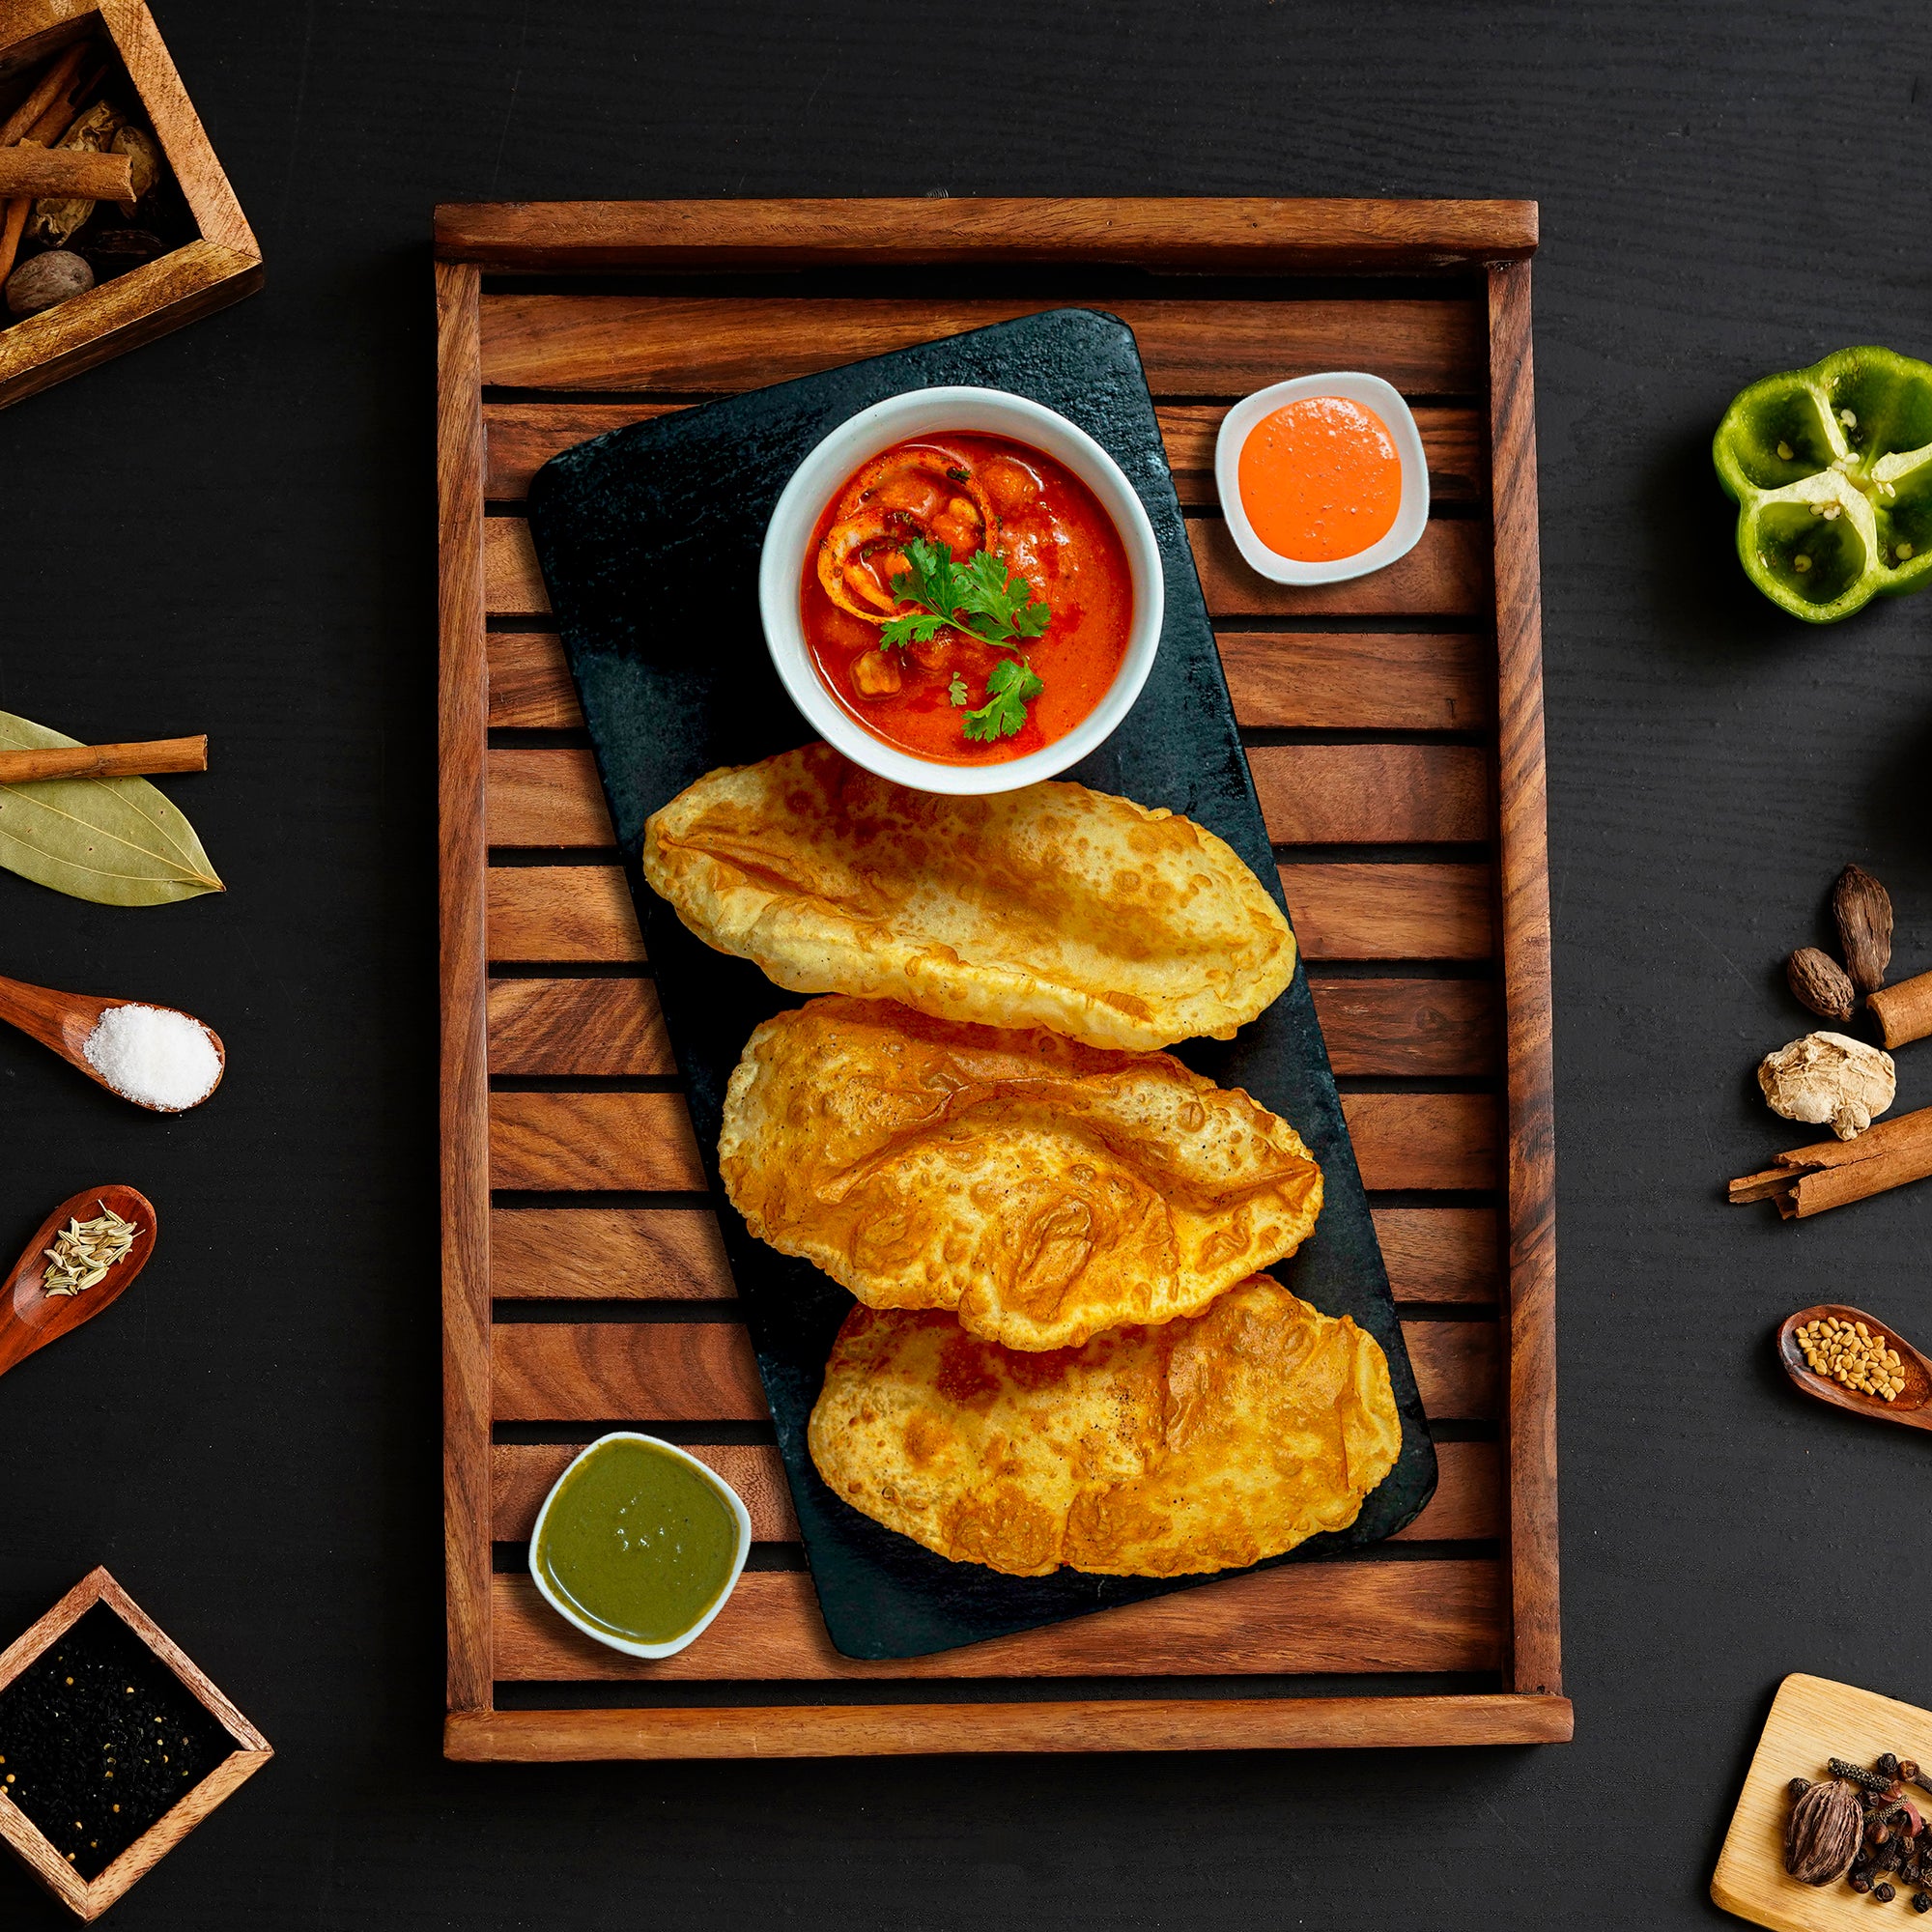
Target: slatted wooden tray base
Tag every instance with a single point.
(1395, 731)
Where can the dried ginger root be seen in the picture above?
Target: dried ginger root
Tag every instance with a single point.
(1825, 1076)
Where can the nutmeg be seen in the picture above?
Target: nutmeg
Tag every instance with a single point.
(1817, 980)
(1821, 1836)
(1862, 908)
(44, 281)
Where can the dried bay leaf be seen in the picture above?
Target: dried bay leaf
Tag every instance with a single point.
(117, 842)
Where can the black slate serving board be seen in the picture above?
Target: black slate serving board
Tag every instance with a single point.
(649, 540)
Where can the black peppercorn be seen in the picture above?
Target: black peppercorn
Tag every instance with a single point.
(1798, 1788)
(1884, 1893)
(1886, 1765)
(1921, 1901)
(1859, 1881)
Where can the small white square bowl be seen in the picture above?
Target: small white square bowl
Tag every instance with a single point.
(1411, 517)
(627, 1646)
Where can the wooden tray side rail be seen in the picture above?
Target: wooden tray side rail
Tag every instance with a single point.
(1256, 234)
(1401, 781)
(1524, 872)
(463, 969)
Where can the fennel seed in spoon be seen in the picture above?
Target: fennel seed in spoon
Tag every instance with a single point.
(83, 1252)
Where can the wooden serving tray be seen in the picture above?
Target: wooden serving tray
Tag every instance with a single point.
(1394, 726)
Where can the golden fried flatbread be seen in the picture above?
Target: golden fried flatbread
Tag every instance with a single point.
(1052, 906)
(1044, 1190)
(1206, 1444)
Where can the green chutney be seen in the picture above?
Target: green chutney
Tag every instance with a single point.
(638, 1542)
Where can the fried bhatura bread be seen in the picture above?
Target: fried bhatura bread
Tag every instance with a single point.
(1043, 1189)
(1206, 1444)
(1052, 906)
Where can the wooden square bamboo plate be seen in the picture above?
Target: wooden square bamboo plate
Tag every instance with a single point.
(1393, 724)
(89, 1898)
(1812, 1721)
(220, 266)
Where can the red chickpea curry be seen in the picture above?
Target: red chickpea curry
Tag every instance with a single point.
(966, 598)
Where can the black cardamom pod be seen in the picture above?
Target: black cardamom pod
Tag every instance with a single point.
(1822, 1837)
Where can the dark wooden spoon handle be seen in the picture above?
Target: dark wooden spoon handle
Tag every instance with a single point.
(59, 1021)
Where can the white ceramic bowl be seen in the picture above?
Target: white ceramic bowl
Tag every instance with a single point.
(1373, 393)
(698, 1629)
(927, 412)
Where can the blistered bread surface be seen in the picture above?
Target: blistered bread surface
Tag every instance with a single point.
(1206, 1444)
(1051, 906)
(1041, 1190)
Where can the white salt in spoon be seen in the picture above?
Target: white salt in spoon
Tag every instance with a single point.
(156, 1057)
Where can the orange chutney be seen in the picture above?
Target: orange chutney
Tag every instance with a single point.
(1320, 479)
(970, 492)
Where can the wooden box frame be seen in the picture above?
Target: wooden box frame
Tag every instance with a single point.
(186, 283)
(90, 1898)
(492, 675)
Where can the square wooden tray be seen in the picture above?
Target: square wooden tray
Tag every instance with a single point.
(89, 1898)
(221, 266)
(1394, 725)
(1812, 1721)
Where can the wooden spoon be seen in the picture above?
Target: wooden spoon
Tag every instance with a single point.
(1912, 1404)
(64, 1021)
(30, 1319)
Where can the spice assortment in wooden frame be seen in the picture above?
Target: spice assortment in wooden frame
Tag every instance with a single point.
(113, 1746)
(119, 223)
(58, 245)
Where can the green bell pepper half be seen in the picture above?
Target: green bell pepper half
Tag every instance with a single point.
(1832, 470)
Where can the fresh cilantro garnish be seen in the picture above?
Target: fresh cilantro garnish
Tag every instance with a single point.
(1009, 687)
(997, 607)
(996, 603)
(999, 603)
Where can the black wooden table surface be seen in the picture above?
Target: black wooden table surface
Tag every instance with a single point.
(233, 532)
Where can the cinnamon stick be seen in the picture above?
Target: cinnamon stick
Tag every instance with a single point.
(20, 124)
(1833, 1173)
(56, 114)
(18, 127)
(105, 761)
(1903, 1010)
(9, 235)
(69, 104)
(29, 169)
